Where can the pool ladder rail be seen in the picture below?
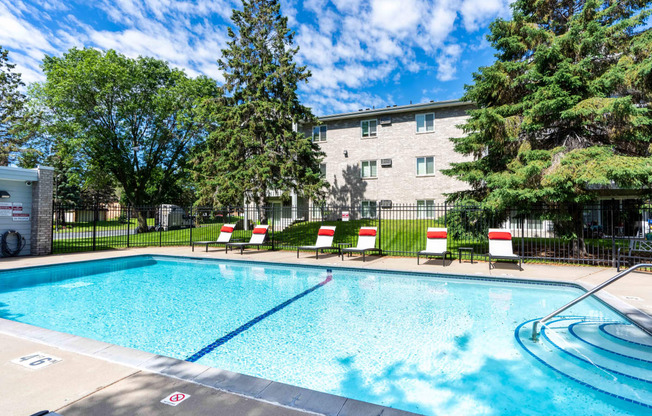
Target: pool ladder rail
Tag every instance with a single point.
(536, 325)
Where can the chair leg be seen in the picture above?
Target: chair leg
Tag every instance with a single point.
(317, 254)
(297, 253)
(417, 259)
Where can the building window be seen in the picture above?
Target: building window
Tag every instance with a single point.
(368, 128)
(368, 209)
(425, 166)
(369, 169)
(425, 123)
(425, 208)
(319, 133)
(322, 170)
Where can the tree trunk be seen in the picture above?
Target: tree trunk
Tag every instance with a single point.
(577, 217)
(142, 221)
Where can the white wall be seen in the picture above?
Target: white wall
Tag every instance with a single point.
(19, 193)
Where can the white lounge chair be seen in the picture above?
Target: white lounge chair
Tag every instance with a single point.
(500, 246)
(366, 242)
(324, 241)
(257, 239)
(225, 236)
(436, 245)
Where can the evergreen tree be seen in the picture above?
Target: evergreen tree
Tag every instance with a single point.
(564, 110)
(253, 147)
(12, 102)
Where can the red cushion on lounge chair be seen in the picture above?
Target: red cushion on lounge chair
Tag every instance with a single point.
(326, 231)
(367, 231)
(260, 230)
(437, 234)
(226, 229)
(500, 235)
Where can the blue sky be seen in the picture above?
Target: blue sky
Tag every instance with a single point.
(362, 53)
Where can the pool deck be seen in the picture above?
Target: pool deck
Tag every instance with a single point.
(103, 379)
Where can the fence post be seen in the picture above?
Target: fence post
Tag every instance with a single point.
(522, 253)
(128, 223)
(273, 224)
(191, 225)
(160, 226)
(613, 235)
(380, 235)
(54, 219)
(95, 209)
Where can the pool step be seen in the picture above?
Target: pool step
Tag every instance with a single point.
(627, 334)
(580, 350)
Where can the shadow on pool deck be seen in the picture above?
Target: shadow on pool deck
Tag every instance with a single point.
(141, 394)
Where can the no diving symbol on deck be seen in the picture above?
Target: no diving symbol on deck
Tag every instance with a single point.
(175, 398)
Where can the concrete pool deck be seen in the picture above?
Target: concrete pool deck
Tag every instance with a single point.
(102, 379)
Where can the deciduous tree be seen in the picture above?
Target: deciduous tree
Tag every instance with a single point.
(134, 119)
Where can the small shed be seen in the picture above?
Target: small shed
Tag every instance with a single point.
(26, 207)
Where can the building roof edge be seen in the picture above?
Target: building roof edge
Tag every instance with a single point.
(396, 109)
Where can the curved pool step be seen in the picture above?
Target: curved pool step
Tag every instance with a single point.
(599, 369)
(562, 336)
(590, 334)
(628, 334)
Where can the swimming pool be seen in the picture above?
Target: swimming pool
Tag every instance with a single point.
(416, 342)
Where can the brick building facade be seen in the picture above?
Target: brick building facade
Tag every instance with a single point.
(393, 153)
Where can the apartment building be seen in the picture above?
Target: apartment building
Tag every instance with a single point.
(390, 154)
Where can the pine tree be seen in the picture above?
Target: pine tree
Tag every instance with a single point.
(254, 147)
(12, 102)
(564, 110)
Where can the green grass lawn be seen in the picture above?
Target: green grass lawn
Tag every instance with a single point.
(399, 237)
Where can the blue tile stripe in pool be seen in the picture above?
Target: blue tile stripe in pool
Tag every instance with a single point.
(222, 340)
(518, 340)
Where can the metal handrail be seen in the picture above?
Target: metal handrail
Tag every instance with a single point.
(542, 321)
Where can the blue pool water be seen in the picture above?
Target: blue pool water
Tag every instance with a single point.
(426, 344)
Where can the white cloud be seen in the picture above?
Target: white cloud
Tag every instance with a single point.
(446, 62)
(349, 45)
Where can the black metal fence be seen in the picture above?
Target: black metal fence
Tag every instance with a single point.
(539, 233)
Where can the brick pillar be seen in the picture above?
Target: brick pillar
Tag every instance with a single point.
(41, 217)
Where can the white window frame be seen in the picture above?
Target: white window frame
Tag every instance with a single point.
(425, 210)
(362, 162)
(425, 160)
(370, 211)
(370, 136)
(425, 125)
(322, 172)
(322, 131)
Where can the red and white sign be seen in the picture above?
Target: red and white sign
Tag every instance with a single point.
(175, 398)
(345, 215)
(18, 214)
(5, 209)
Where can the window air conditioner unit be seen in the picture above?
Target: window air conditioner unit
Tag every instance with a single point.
(385, 120)
(386, 163)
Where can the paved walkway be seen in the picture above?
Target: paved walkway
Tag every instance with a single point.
(85, 385)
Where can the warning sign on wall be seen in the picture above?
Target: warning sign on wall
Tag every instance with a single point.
(17, 212)
(5, 209)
